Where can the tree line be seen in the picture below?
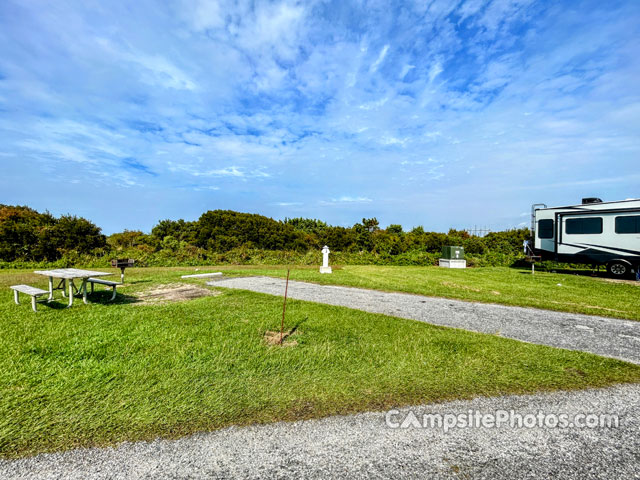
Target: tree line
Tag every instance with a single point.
(28, 235)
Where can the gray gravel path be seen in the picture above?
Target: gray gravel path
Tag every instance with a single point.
(603, 336)
(363, 446)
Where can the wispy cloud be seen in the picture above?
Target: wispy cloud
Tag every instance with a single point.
(222, 172)
(346, 199)
(383, 53)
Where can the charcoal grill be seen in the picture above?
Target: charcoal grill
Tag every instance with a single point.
(122, 263)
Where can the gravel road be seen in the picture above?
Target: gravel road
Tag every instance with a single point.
(364, 446)
(603, 336)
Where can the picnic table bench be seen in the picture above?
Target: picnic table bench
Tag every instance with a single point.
(108, 283)
(28, 290)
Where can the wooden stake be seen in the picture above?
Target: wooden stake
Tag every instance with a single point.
(284, 307)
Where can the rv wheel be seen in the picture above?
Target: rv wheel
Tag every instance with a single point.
(618, 269)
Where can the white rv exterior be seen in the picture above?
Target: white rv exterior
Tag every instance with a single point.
(595, 232)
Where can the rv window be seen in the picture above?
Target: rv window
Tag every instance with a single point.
(545, 229)
(584, 226)
(630, 224)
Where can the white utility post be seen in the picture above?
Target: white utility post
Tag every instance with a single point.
(325, 268)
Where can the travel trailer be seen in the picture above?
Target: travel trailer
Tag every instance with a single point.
(595, 233)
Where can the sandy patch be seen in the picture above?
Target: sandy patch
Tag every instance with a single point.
(174, 292)
(589, 306)
(273, 338)
(621, 280)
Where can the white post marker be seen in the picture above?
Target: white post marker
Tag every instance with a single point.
(325, 268)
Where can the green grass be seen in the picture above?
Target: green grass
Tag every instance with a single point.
(102, 373)
(507, 286)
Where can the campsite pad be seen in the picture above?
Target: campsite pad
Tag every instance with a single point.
(173, 292)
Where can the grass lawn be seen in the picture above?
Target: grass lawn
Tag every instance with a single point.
(105, 372)
(508, 286)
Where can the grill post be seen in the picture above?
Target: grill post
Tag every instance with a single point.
(122, 263)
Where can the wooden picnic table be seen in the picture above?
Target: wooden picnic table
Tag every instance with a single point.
(70, 274)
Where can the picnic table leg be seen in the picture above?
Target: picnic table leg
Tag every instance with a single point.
(50, 289)
(15, 297)
(33, 303)
(63, 282)
(70, 292)
(84, 290)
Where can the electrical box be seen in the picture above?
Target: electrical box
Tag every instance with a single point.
(453, 253)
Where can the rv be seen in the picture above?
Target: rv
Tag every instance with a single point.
(595, 233)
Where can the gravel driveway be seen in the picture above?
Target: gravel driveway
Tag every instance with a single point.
(603, 336)
(363, 446)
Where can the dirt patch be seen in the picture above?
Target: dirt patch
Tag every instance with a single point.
(621, 280)
(174, 292)
(589, 306)
(273, 338)
(575, 371)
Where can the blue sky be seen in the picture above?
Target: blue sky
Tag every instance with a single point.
(435, 113)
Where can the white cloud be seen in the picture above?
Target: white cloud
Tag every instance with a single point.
(346, 199)
(154, 69)
(374, 105)
(380, 59)
(159, 71)
(204, 14)
(470, 8)
(406, 68)
(390, 140)
(275, 26)
(200, 170)
(222, 172)
(434, 71)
